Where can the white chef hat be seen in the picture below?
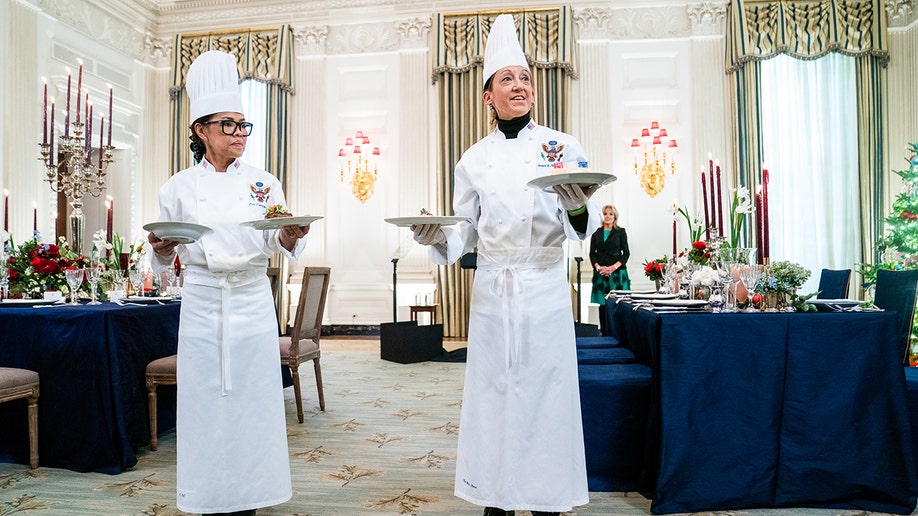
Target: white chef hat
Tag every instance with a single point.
(213, 84)
(503, 47)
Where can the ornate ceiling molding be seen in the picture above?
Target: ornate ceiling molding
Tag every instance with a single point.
(312, 40)
(413, 32)
(633, 23)
(101, 25)
(362, 38)
(901, 12)
(707, 18)
(158, 51)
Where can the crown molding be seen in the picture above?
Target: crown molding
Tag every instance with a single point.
(902, 13)
(653, 22)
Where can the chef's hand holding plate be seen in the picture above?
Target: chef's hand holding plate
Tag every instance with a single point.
(574, 196)
(160, 246)
(290, 234)
(428, 234)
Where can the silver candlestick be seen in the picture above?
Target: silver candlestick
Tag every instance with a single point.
(78, 176)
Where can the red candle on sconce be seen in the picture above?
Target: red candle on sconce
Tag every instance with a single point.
(67, 115)
(766, 253)
(760, 250)
(110, 208)
(674, 237)
(707, 219)
(79, 92)
(6, 210)
(51, 149)
(110, 116)
(34, 217)
(57, 231)
(44, 116)
(101, 141)
(720, 203)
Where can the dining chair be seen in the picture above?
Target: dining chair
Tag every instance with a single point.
(896, 290)
(303, 342)
(833, 284)
(16, 384)
(159, 372)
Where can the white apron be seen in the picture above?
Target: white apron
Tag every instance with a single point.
(520, 432)
(231, 430)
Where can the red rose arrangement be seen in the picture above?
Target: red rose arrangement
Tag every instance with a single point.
(654, 269)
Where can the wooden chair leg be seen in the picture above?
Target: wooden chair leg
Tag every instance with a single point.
(294, 371)
(319, 383)
(154, 438)
(33, 429)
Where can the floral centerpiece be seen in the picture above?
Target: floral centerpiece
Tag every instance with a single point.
(654, 268)
(699, 254)
(35, 267)
(739, 208)
(784, 278)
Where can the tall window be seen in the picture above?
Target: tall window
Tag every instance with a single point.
(809, 137)
(254, 102)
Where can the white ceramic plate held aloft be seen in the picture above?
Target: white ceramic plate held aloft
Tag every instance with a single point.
(181, 232)
(279, 222)
(404, 222)
(581, 178)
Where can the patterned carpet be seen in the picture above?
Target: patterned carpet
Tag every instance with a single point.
(386, 445)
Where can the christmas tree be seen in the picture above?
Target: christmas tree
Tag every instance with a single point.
(898, 248)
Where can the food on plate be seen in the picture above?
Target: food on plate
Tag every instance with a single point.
(561, 169)
(426, 213)
(276, 211)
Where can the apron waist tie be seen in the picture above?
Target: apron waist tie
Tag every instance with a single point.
(226, 377)
(507, 284)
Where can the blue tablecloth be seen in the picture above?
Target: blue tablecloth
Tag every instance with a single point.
(91, 360)
(774, 410)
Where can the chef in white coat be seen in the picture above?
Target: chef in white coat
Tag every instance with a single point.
(520, 433)
(231, 440)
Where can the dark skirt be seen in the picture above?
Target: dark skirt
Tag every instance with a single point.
(618, 280)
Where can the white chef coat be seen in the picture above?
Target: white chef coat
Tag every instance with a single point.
(520, 432)
(231, 435)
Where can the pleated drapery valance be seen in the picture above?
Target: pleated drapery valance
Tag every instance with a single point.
(264, 55)
(546, 36)
(805, 30)
(809, 29)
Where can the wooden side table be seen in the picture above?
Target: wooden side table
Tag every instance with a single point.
(431, 309)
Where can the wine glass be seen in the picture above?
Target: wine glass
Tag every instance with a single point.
(93, 275)
(136, 276)
(749, 275)
(74, 280)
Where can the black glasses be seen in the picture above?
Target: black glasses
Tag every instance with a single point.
(229, 127)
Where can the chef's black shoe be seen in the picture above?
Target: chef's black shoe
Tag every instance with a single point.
(494, 511)
(540, 513)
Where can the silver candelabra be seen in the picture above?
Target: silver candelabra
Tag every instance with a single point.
(75, 175)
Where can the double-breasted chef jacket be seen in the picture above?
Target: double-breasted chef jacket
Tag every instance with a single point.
(231, 429)
(520, 431)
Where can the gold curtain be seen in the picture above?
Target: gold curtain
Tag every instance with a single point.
(809, 30)
(546, 36)
(264, 55)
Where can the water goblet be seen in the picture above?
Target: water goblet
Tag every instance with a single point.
(137, 276)
(168, 279)
(749, 275)
(74, 280)
(94, 274)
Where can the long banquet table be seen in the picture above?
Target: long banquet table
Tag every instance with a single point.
(773, 410)
(91, 360)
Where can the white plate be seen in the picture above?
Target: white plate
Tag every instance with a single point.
(279, 222)
(581, 178)
(404, 222)
(181, 232)
(653, 295)
(833, 304)
(631, 292)
(685, 303)
(146, 300)
(29, 302)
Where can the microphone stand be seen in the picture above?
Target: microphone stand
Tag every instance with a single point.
(394, 294)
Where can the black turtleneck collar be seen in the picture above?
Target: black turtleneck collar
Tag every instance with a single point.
(511, 128)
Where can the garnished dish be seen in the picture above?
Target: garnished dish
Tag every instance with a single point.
(280, 220)
(276, 211)
(561, 175)
(425, 217)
